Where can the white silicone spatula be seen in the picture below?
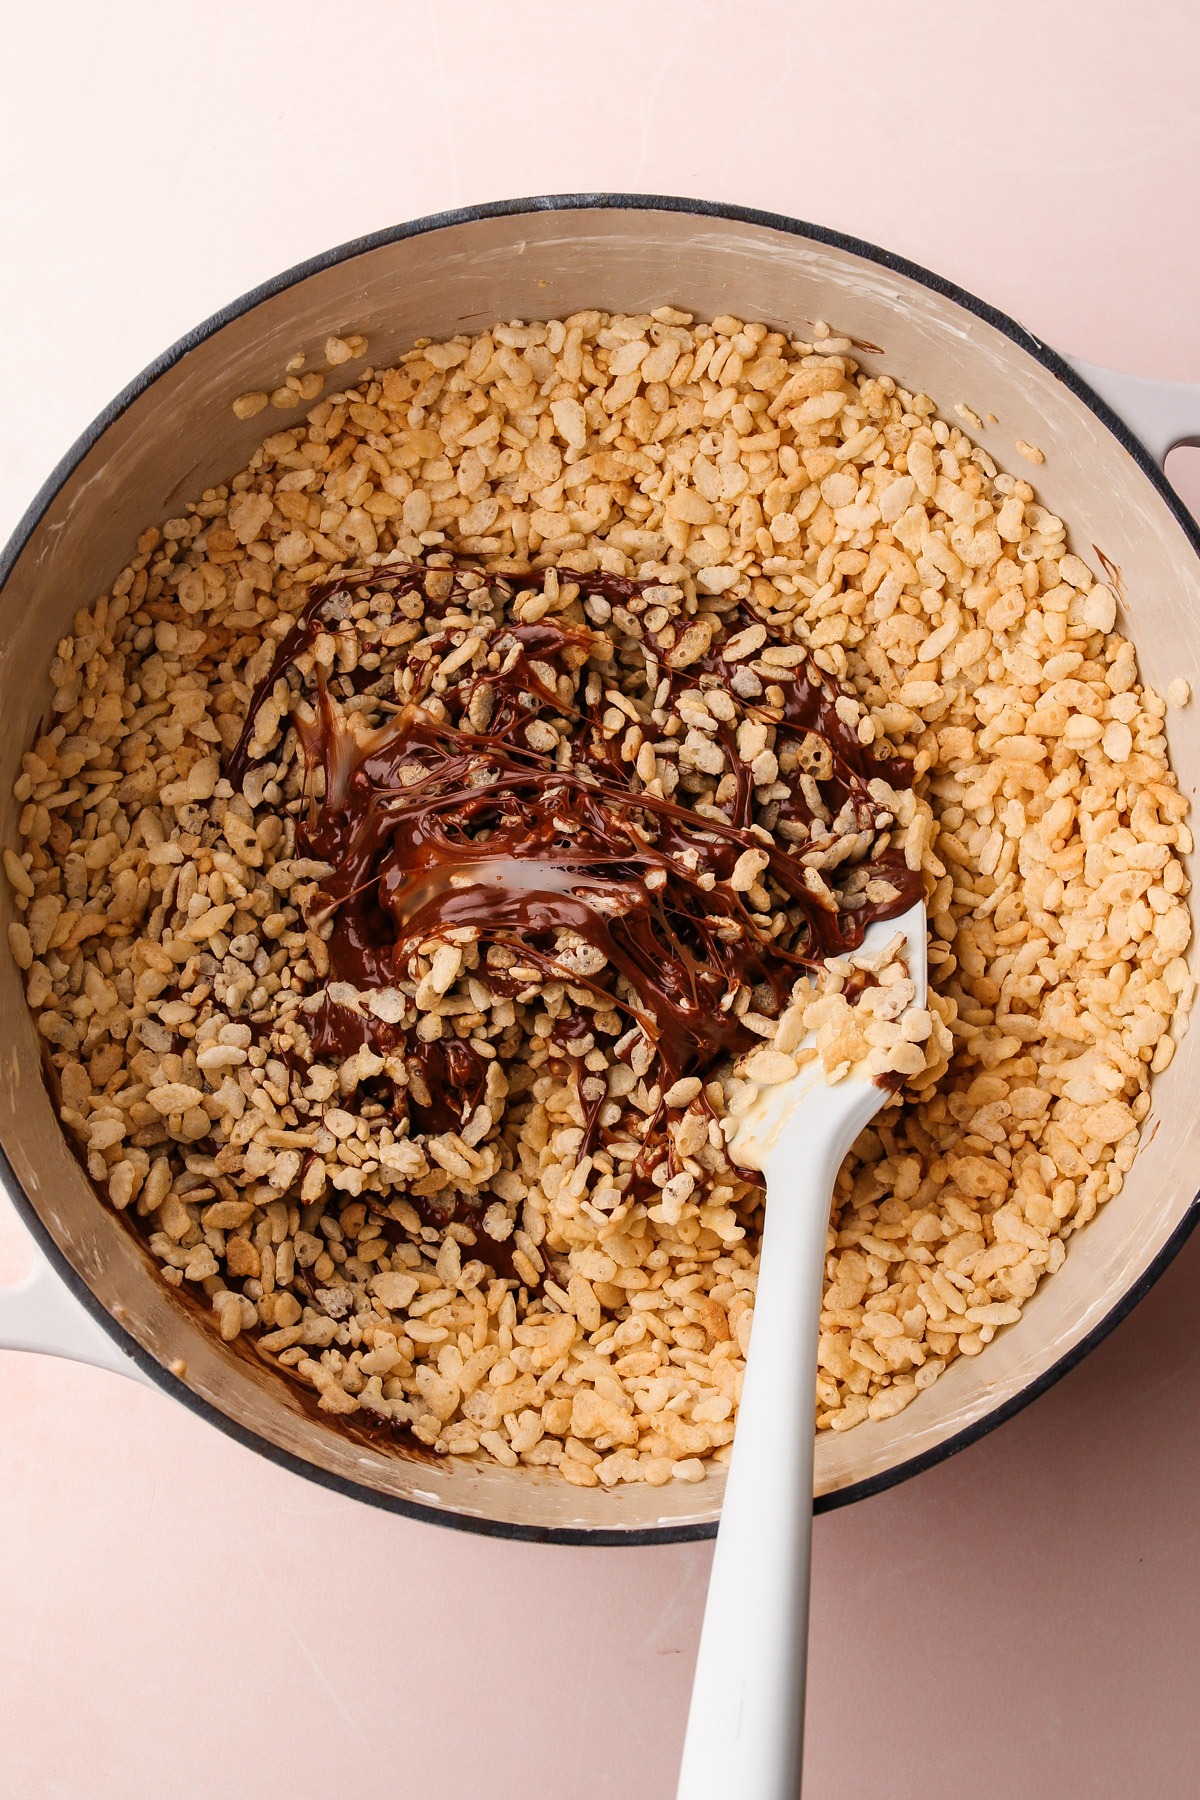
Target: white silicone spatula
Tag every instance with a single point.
(745, 1733)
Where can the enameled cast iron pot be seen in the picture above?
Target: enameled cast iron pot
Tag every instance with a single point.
(172, 433)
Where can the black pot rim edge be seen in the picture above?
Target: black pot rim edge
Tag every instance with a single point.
(1025, 340)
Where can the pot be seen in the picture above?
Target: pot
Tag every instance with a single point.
(172, 433)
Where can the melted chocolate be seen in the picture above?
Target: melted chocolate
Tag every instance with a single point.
(432, 827)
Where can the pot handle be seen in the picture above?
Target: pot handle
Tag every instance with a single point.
(41, 1313)
(1162, 413)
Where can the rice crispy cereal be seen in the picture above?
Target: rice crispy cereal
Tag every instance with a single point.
(719, 479)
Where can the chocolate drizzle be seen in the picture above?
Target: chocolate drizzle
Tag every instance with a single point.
(434, 822)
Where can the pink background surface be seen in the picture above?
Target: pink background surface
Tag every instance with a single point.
(179, 1618)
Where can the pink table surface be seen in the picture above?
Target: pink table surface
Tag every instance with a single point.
(177, 1617)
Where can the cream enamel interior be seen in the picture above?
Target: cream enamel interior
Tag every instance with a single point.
(180, 435)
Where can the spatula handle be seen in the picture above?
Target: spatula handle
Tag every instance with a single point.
(745, 1732)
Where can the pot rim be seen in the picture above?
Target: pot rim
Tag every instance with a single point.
(465, 215)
